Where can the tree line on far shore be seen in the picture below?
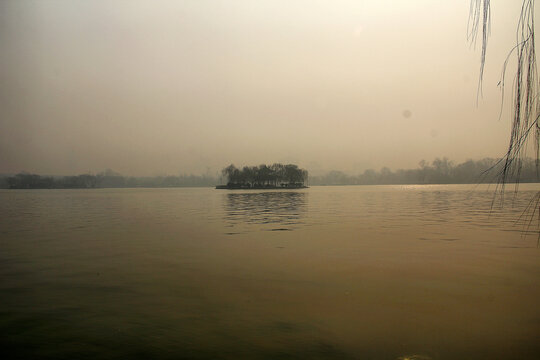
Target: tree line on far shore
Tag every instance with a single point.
(107, 179)
(275, 175)
(440, 171)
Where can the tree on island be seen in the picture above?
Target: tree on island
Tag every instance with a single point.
(264, 176)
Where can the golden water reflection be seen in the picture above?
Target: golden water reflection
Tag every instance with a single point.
(269, 210)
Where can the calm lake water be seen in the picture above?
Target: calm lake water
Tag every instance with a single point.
(365, 272)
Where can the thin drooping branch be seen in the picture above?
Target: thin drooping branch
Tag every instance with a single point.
(525, 92)
(525, 95)
(479, 14)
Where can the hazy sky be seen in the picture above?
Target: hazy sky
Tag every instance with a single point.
(168, 87)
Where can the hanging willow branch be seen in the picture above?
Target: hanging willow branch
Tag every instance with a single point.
(479, 14)
(525, 90)
(526, 105)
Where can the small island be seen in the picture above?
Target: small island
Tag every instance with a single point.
(275, 176)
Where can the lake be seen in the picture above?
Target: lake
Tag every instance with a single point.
(350, 272)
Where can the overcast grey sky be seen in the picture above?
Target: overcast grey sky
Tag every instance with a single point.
(168, 87)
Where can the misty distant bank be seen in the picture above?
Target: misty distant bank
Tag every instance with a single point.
(439, 171)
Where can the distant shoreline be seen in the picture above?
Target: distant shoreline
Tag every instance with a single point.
(223, 187)
(441, 171)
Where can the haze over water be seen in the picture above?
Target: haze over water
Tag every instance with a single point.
(155, 93)
(365, 272)
(169, 87)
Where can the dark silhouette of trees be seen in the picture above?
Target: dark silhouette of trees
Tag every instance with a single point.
(30, 181)
(106, 179)
(264, 176)
(84, 181)
(439, 171)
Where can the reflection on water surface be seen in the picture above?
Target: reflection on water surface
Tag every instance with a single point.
(270, 210)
